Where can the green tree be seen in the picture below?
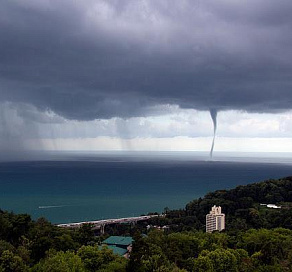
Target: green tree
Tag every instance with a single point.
(95, 258)
(11, 262)
(6, 246)
(85, 234)
(60, 262)
(203, 264)
(220, 260)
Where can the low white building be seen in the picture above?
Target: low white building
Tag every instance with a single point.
(271, 206)
(215, 220)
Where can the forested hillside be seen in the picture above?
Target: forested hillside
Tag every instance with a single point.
(256, 238)
(241, 206)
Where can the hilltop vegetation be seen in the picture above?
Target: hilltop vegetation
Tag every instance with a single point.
(241, 206)
(256, 238)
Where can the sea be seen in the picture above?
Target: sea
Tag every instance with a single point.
(69, 187)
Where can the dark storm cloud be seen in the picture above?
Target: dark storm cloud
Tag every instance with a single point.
(98, 59)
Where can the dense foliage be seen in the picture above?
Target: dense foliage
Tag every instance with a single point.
(41, 246)
(252, 250)
(241, 206)
(256, 238)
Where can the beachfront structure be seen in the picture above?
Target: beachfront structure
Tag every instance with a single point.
(215, 220)
(120, 245)
(271, 206)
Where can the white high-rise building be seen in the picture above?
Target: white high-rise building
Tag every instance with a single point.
(215, 220)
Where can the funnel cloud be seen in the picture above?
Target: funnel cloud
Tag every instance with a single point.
(213, 114)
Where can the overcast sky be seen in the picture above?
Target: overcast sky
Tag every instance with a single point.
(122, 74)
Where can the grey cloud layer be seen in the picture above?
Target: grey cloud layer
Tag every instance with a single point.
(98, 59)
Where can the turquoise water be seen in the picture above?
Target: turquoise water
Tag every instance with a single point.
(71, 187)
